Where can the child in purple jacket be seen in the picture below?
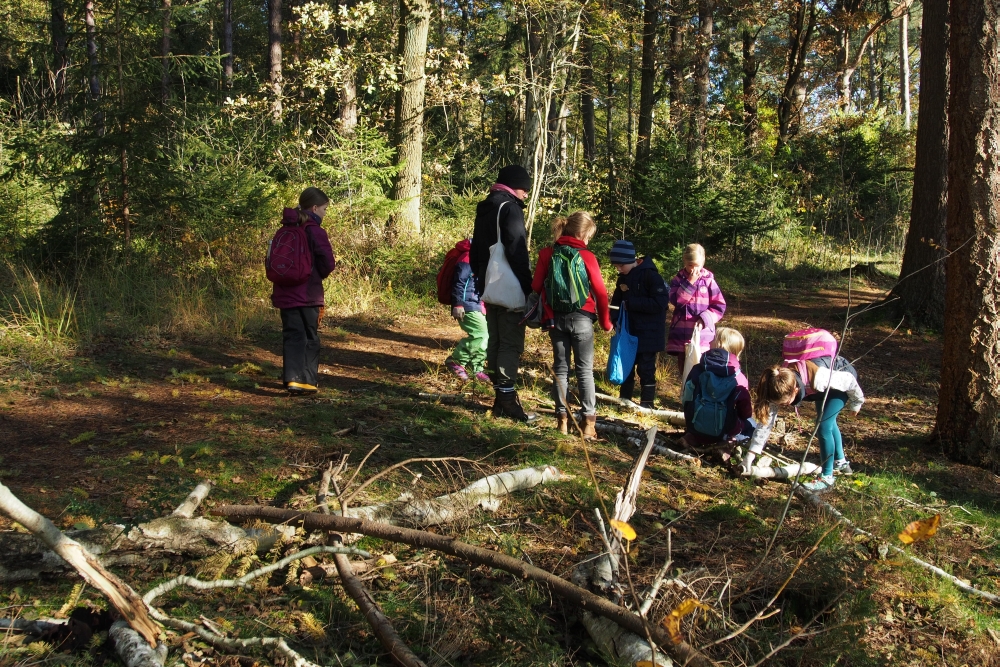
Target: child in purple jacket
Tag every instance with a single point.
(302, 305)
(697, 302)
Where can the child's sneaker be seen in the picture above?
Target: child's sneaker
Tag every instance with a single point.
(842, 468)
(820, 484)
(483, 377)
(457, 369)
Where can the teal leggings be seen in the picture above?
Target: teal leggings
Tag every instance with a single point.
(831, 443)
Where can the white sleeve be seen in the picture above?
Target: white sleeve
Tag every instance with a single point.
(763, 432)
(840, 381)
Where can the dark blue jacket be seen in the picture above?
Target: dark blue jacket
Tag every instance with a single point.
(646, 299)
(463, 289)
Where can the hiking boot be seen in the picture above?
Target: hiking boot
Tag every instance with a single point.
(842, 468)
(646, 404)
(589, 427)
(483, 377)
(509, 405)
(562, 422)
(457, 369)
(300, 389)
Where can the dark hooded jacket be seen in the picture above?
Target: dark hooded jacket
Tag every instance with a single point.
(646, 299)
(740, 406)
(512, 233)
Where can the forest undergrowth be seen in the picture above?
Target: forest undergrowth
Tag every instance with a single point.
(106, 427)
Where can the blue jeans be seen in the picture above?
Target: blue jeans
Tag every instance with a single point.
(574, 332)
(831, 443)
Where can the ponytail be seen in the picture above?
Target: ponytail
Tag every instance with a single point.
(558, 225)
(310, 197)
(776, 384)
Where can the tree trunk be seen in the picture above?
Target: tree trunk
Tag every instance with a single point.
(904, 67)
(921, 287)
(675, 65)
(587, 102)
(60, 60)
(801, 24)
(751, 120)
(968, 418)
(414, 25)
(533, 115)
(165, 54)
(95, 76)
(274, 55)
(706, 25)
(227, 41)
(347, 108)
(843, 73)
(647, 80)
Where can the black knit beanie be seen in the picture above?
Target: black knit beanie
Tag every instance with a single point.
(515, 177)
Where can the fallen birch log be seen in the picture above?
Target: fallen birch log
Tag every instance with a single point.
(782, 473)
(670, 416)
(421, 539)
(668, 453)
(485, 493)
(121, 596)
(635, 437)
(826, 508)
(24, 557)
(133, 650)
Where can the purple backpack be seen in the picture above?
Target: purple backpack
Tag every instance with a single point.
(289, 260)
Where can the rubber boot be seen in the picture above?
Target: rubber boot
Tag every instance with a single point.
(647, 396)
(509, 405)
(562, 422)
(589, 427)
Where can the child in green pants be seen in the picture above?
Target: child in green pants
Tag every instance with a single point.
(469, 356)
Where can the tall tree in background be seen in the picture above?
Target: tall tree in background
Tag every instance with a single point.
(274, 56)
(347, 95)
(60, 60)
(702, 82)
(165, 54)
(801, 24)
(847, 15)
(968, 418)
(587, 93)
(904, 67)
(227, 42)
(94, 89)
(751, 116)
(415, 20)
(534, 67)
(647, 80)
(921, 287)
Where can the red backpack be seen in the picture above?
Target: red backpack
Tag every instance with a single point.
(804, 344)
(446, 276)
(289, 260)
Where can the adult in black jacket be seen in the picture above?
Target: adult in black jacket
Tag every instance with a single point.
(506, 333)
(642, 293)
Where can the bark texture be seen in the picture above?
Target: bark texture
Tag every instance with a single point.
(921, 287)
(60, 60)
(647, 80)
(587, 92)
(95, 76)
(227, 42)
(904, 66)
(274, 56)
(801, 24)
(751, 119)
(968, 419)
(414, 24)
(165, 54)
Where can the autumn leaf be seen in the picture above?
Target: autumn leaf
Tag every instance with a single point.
(672, 621)
(644, 663)
(626, 530)
(700, 497)
(920, 530)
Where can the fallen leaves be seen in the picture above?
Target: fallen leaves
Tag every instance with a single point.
(622, 527)
(672, 621)
(920, 530)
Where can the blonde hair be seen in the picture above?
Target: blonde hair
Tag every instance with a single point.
(579, 225)
(730, 340)
(693, 252)
(776, 385)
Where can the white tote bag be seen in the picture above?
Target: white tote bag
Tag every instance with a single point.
(502, 286)
(692, 355)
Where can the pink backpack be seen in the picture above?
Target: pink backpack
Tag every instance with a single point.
(289, 260)
(804, 344)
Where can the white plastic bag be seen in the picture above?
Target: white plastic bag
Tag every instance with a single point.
(502, 286)
(692, 354)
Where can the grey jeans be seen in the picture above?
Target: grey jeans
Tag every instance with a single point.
(574, 332)
(505, 345)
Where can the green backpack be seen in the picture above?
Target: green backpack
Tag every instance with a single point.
(567, 286)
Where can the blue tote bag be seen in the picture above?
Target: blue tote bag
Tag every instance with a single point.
(621, 357)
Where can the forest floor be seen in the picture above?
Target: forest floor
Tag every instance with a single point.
(125, 429)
